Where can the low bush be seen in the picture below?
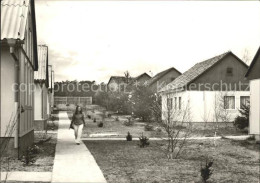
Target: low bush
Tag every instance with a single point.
(117, 118)
(143, 141)
(129, 122)
(94, 120)
(158, 129)
(129, 137)
(100, 124)
(241, 122)
(148, 127)
(206, 171)
(29, 157)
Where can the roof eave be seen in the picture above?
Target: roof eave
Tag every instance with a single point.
(253, 62)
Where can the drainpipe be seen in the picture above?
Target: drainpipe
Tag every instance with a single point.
(12, 44)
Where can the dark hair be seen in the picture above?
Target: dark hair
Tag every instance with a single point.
(77, 110)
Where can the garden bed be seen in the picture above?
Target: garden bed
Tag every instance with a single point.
(44, 159)
(125, 162)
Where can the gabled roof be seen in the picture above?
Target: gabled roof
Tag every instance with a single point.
(119, 79)
(13, 22)
(160, 75)
(194, 72)
(253, 62)
(138, 77)
(144, 74)
(43, 71)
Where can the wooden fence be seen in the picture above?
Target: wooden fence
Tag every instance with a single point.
(72, 100)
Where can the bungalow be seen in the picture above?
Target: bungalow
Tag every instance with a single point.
(19, 60)
(163, 78)
(41, 92)
(118, 83)
(50, 101)
(210, 91)
(253, 74)
(141, 79)
(138, 81)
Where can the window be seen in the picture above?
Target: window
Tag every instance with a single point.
(229, 71)
(179, 102)
(175, 103)
(229, 102)
(244, 101)
(169, 103)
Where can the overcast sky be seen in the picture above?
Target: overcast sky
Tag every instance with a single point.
(93, 40)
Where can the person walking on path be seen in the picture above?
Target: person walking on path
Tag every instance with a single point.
(77, 122)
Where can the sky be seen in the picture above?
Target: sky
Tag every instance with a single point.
(93, 40)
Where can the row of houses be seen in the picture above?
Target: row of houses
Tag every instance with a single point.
(26, 78)
(122, 83)
(213, 90)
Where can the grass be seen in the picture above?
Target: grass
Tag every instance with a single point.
(118, 127)
(125, 162)
(44, 160)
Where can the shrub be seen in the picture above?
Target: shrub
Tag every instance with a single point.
(89, 117)
(94, 120)
(251, 138)
(206, 171)
(29, 157)
(148, 127)
(158, 129)
(143, 141)
(100, 124)
(35, 149)
(241, 122)
(117, 118)
(129, 122)
(129, 137)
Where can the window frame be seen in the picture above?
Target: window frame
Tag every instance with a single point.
(180, 103)
(240, 106)
(225, 97)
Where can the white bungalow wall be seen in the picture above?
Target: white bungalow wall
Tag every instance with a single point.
(40, 102)
(202, 104)
(7, 95)
(254, 127)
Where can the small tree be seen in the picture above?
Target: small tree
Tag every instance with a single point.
(221, 113)
(176, 123)
(142, 100)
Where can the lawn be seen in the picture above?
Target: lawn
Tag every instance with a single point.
(119, 129)
(125, 162)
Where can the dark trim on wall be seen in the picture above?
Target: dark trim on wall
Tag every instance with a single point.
(35, 48)
(253, 62)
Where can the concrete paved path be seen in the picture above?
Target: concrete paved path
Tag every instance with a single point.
(73, 163)
(240, 137)
(27, 176)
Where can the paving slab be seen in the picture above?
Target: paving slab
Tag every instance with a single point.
(27, 176)
(73, 163)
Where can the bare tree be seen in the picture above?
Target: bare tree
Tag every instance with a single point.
(176, 123)
(221, 114)
(127, 76)
(246, 56)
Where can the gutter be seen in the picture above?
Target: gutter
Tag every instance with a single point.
(17, 107)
